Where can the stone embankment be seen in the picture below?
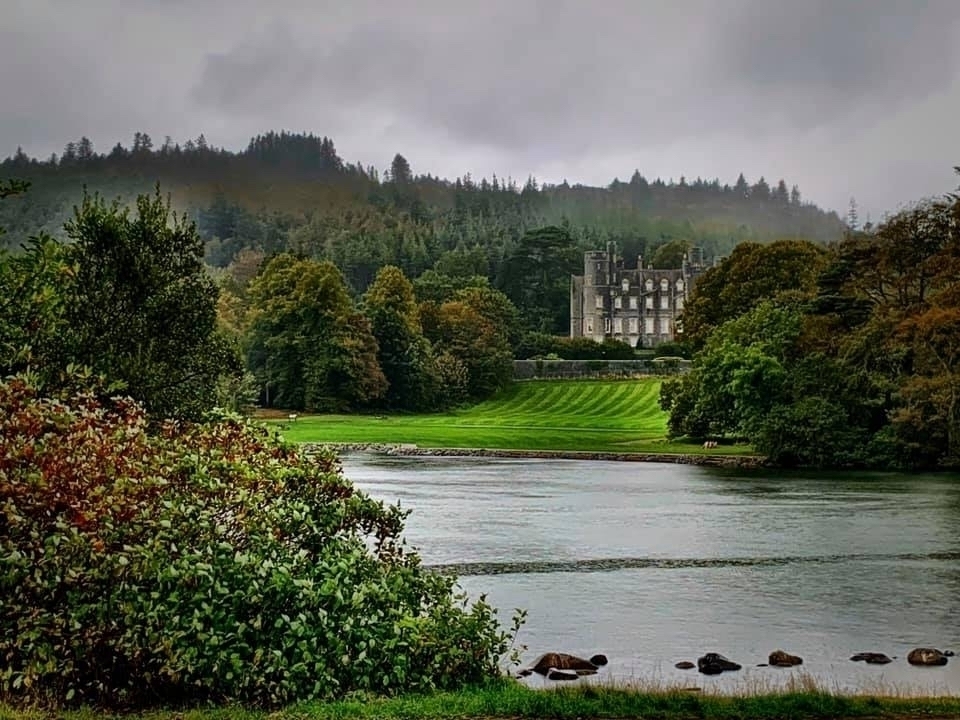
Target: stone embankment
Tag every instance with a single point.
(723, 461)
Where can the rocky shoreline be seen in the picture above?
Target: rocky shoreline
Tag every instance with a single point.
(721, 461)
(563, 666)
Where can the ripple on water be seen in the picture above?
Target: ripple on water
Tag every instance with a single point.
(652, 564)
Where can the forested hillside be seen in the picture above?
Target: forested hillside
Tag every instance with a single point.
(294, 192)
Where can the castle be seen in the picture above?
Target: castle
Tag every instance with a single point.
(639, 306)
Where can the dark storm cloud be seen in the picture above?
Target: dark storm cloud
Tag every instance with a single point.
(842, 96)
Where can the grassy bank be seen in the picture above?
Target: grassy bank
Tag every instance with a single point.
(510, 700)
(573, 415)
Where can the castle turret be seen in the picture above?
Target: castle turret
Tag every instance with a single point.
(598, 274)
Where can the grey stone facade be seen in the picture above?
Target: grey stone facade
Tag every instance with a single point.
(639, 306)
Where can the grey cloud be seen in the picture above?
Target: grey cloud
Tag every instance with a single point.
(551, 87)
(822, 58)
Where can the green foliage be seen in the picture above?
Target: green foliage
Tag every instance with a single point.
(237, 393)
(436, 287)
(481, 346)
(308, 346)
(207, 563)
(536, 277)
(670, 254)
(140, 307)
(404, 354)
(33, 309)
(541, 345)
(812, 431)
(639, 700)
(753, 273)
(858, 368)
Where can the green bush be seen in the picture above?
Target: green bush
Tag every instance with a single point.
(207, 563)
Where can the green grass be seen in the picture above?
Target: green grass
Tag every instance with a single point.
(511, 700)
(570, 415)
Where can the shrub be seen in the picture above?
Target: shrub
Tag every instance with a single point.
(208, 563)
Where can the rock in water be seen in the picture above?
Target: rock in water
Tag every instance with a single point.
(562, 675)
(927, 657)
(599, 660)
(684, 665)
(561, 661)
(779, 658)
(714, 664)
(948, 653)
(871, 658)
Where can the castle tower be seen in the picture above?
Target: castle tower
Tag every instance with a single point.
(597, 277)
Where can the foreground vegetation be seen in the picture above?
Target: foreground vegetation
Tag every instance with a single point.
(167, 563)
(511, 700)
(557, 415)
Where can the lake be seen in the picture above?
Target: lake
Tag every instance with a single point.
(655, 563)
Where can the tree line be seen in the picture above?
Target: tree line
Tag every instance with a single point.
(129, 299)
(836, 356)
(289, 192)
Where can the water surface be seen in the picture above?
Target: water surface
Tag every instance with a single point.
(656, 563)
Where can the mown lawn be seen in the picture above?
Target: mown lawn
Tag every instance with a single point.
(571, 415)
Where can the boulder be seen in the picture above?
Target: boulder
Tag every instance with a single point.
(714, 664)
(599, 660)
(948, 653)
(684, 665)
(927, 657)
(562, 675)
(779, 658)
(561, 661)
(871, 658)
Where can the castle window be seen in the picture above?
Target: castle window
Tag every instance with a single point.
(617, 326)
(664, 302)
(606, 326)
(648, 284)
(664, 285)
(598, 301)
(625, 285)
(648, 302)
(633, 302)
(679, 285)
(632, 324)
(679, 303)
(618, 302)
(648, 326)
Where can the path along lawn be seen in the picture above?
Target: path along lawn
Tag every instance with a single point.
(570, 415)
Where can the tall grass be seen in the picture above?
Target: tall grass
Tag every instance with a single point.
(508, 699)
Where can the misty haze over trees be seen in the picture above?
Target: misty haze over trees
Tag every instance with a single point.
(289, 191)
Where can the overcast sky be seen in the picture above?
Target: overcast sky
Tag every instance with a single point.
(842, 97)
